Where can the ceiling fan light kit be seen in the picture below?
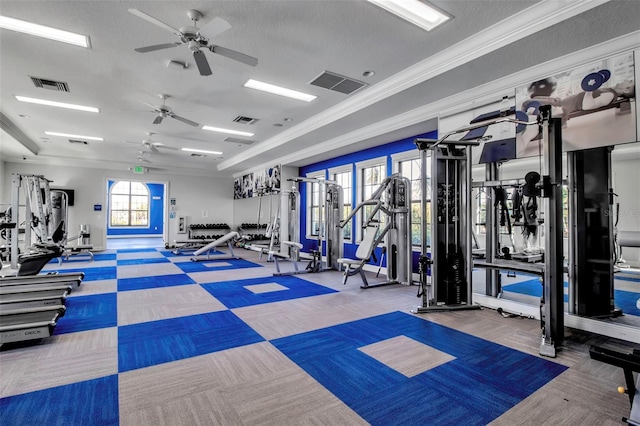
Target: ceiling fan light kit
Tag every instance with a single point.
(196, 39)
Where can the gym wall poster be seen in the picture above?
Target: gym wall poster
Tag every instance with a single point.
(267, 181)
(596, 102)
(255, 184)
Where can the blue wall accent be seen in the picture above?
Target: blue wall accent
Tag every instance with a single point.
(387, 150)
(156, 213)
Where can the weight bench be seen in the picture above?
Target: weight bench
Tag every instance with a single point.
(189, 245)
(363, 254)
(227, 240)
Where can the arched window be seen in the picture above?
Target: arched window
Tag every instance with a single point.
(129, 204)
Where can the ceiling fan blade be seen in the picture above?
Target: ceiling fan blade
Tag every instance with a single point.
(202, 63)
(184, 120)
(154, 21)
(153, 148)
(156, 47)
(158, 119)
(213, 28)
(163, 146)
(232, 54)
(155, 108)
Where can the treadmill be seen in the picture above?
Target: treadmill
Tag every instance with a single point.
(74, 279)
(17, 325)
(33, 296)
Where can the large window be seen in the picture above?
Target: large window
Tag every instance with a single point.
(344, 178)
(129, 204)
(314, 205)
(371, 174)
(409, 168)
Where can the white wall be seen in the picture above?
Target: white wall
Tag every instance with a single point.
(192, 194)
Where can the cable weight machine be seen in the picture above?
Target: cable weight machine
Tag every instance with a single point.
(450, 285)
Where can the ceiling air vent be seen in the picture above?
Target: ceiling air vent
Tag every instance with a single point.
(238, 140)
(197, 155)
(245, 120)
(337, 83)
(78, 141)
(43, 83)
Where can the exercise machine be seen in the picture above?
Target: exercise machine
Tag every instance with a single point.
(449, 285)
(392, 199)
(629, 361)
(39, 218)
(33, 296)
(74, 279)
(328, 246)
(451, 192)
(17, 325)
(592, 249)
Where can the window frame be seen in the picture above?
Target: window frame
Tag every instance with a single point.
(396, 160)
(129, 210)
(347, 200)
(319, 174)
(360, 167)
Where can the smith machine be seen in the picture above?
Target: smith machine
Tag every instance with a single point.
(449, 285)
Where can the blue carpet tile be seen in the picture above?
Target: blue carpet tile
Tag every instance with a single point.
(93, 402)
(88, 313)
(210, 265)
(531, 288)
(125, 262)
(233, 294)
(91, 274)
(157, 342)
(137, 250)
(627, 301)
(484, 381)
(142, 283)
(627, 278)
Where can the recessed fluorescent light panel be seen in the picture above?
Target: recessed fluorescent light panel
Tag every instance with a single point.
(57, 104)
(417, 12)
(46, 32)
(69, 135)
(202, 151)
(229, 131)
(277, 90)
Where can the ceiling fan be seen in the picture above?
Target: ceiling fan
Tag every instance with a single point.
(151, 147)
(163, 111)
(196, 38)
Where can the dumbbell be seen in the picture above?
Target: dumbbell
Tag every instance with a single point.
(594, 80)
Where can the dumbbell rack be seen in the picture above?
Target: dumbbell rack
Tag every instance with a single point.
(208, 231)
(256, 232)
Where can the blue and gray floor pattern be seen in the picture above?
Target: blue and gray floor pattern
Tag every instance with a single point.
(474, 383)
